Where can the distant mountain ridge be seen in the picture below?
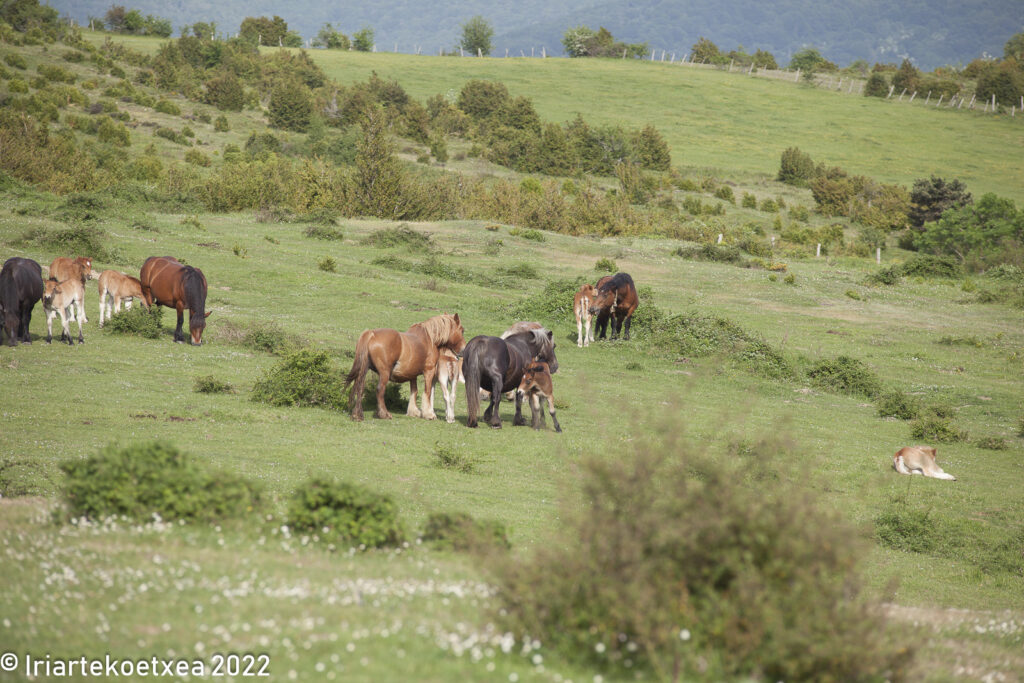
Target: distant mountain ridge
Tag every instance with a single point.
(930, 32)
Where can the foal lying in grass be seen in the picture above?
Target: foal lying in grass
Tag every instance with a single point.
(536, 385)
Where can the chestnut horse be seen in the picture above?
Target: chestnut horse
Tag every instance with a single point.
(536, 385)
(80, 268)
(581, 307)
(497, 365)
(119, 287)
(618, 295)
(21, 286)
(402, 357)
(165, 281)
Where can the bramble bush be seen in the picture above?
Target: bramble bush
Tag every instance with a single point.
(344, 513)
(678, 565)
(845, 375)
(303, 378)
(137, 322)
(154, 478)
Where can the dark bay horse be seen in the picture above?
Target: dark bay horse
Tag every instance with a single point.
(21, 286)
(165, 281)
(402, 357)
(497, 365)
(603, 315)
(616, 298)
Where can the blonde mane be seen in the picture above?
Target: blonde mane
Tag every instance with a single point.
(439, 328)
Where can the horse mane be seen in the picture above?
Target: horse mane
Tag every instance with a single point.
(541, 338)
(195, 290)
(617, 281)
(439, 328)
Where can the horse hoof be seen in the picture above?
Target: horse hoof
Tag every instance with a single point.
(430, 416)
(450, 421)
(496, 426)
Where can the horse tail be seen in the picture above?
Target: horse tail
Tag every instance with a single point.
(357, 375)
(471, 373)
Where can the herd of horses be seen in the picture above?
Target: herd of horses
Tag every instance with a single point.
(519, 363)
(162, 280)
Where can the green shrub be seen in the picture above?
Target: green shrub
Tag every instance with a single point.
(327, 264)
(725, 192)
(895, 403)
(927, 265)
(937, 429)
(796, 168)
(606, 265)
(197, 158)
(675, 568)
(291, 107)
(114, 133)
(187, 132)
(344, 513)
(81, 239)
(172, 135)
(800, 213)
(459, 531)
(400, 236)
(749, 201)
(55, 73)
(909, 530)
(220, 125)
(208, 384)
(450, 458)
(790, 279)
(528, 234)
(324, 232)
(225, 92)
(303, 378)
(768, 205)
(167, 107)
(266, 336)
(324, 215)
(137, 322)
(15, 60)
(150, 479)
(17, 85)
(717, 253)
(992, 443)
(890, 275)
(877, 86)
(845, 375)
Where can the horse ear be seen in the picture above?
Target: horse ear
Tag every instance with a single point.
(207, 315)
(551, 335)
(457, 321)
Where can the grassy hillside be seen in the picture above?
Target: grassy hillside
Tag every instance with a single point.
(949, 344)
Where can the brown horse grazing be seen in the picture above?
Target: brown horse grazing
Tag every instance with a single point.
(80, 268)
(402, 357)
(536, 385)
(60, 299)
(581, 307)
(119, 287)
(21, 286)
(168, 283)
(618, 293)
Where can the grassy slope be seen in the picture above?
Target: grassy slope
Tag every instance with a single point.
(135, 389)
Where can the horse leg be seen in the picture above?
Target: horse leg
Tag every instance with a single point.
(23, 326)
(66, 334)
(412, 410)
(588, 334)
(103, 297)
(629, 321)
(551, 410)
(384, 374)
(81, 318)
(50, 313)
(427, 409)
(535, 411)
(179, 336)
(519, 420)
(449, 401)
(579, 331)
(495, 419)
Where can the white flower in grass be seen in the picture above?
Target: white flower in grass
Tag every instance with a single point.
(684, 634)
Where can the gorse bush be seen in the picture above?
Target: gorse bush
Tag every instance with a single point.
(459, 531)
(303, 378)
(154, 478)
(137, 321)
(676, 567)
(606, 265)
(400, 236)
(716, 253)
(208, 384)
(927, 265)
(845, 375)
(897, 404)
(323, 232)
(936, 429)
(344, 513)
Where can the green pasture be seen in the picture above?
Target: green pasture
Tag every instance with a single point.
(138, 589)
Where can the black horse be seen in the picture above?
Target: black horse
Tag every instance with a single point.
(21, 286)
(497, 365)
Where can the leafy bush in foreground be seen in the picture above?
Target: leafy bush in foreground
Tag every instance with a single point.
(303, 378)
(345, 513)
(154, 478)
(676, 566)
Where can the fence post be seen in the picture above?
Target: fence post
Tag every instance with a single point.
(623, 53)
(891, 88)
(902, 94)
(913, 96)
(543, 52)
(878, 255)
(939, 103)
(773, 241)
(719, 238)
(817, 252)
(461, 53)
(479, 52)
(928, 99)
(993, 103)
(506, 53)
(797, 77)
(532, 53)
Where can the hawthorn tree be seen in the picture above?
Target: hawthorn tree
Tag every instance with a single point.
(476, 36)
